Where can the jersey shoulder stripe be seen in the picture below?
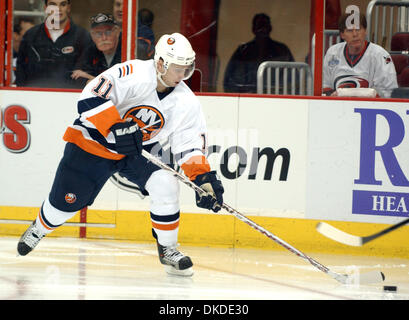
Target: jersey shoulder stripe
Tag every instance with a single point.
(87, 104)
(76, 136)
(125, 70)
(95, 135)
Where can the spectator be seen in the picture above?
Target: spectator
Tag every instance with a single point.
(117, 11)
(19, 29)
(104, 52)
(25, 24)
(241, 71)
(16, 39)
(145, 17)
(145, 38)
(357, 63)
(50, 51)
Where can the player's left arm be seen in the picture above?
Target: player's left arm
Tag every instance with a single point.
(385, 79)
(193, 141)
(197, 168)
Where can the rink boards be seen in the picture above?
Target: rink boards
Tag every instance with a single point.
(286, 163)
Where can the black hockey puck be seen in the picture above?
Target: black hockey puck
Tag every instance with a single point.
(390, 288)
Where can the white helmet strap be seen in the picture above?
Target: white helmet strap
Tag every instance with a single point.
(159, 75)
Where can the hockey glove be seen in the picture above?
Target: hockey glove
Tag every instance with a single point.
(128, 138)
(213, 198)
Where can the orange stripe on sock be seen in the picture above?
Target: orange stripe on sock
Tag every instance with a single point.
(165, 227)
(43, 223)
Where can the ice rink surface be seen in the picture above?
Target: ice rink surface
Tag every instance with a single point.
(80, 269)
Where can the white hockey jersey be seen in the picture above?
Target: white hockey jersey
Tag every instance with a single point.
(372, 68)
(128, 90)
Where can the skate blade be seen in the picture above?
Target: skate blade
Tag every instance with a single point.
(181, 273)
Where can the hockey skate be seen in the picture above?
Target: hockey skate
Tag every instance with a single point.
(29, 240)
(175, 262)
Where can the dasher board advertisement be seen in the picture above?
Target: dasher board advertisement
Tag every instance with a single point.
(257, 145)
(358, 164)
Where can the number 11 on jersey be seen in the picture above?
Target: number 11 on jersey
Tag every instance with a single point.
(103, 88)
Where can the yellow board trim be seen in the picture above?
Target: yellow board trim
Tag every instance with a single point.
(223, 231)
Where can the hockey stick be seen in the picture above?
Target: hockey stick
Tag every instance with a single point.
(371, 277)
(351, 240)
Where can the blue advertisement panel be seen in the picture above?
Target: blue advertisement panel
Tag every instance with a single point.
(358, 166)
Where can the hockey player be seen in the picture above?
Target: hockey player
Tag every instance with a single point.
(132, 106)
(357, 63)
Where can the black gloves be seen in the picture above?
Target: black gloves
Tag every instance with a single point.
(213, 199)
(128, 138)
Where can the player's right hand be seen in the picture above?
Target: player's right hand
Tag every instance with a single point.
(128, 138)
(212, 199)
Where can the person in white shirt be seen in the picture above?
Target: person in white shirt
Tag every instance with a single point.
(357, 63)
(135, 105)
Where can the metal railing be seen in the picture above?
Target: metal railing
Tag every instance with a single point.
(296, 76)
(386, 17)
(25, 13)
(331, 37)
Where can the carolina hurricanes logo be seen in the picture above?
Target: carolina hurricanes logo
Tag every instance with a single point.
(351, 81)
(148, 118)
(70, 198)
(67, 50)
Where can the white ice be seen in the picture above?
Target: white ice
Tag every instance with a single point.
(81, 269)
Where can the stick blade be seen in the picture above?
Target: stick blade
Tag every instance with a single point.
(338, 235)
(366, 278)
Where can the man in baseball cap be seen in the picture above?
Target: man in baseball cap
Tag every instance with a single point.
(104, 52)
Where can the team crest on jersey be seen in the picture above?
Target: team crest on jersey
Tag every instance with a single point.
(351, 81)
(387, 60)
(70, 198)
(148, 118)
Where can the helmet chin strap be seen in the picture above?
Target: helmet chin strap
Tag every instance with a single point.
(159, 76)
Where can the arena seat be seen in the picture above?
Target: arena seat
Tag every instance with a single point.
(401, 62)
(401, 93)
(403, 78)
(400, 41)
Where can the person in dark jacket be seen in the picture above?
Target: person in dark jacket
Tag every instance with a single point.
(145, 42)
(49, 52)
(241, 71)
(105, 50)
